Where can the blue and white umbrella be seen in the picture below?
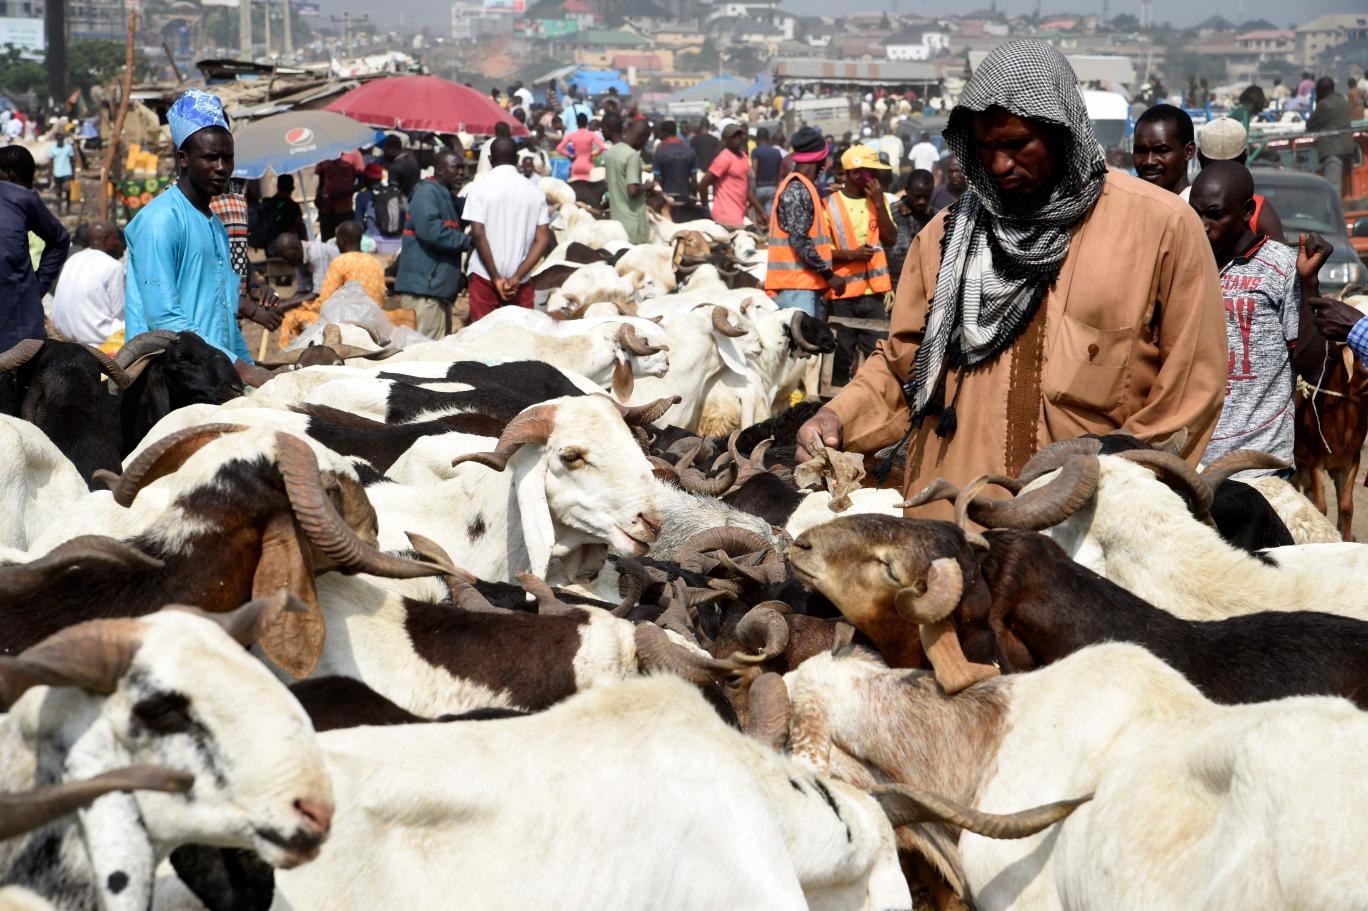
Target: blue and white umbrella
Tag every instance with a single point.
(295, 140)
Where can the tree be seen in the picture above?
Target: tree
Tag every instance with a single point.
(99, 62)
(1125, 23)
(20, 76)
(745, 61)
(704, 60)
(102, 62)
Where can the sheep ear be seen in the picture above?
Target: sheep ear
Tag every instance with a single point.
(529, 485)
(293, 640)
(623, 380)
(122, 859)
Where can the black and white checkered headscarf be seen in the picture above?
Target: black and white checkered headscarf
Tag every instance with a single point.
(996, 265)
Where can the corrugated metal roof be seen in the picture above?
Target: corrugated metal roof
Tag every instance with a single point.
(1087, 67)
(820, 70)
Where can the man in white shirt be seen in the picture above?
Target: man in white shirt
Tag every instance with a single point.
(508, 221)
(924, 155)
(88, 302)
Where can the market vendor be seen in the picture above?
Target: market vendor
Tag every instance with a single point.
(180, 271)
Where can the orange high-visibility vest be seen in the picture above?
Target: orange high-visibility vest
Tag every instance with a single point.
(785, 271)
(861, 278)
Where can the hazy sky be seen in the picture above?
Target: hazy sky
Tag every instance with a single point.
(1180, 12)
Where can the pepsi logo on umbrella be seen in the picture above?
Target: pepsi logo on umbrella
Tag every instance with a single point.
(300, 139)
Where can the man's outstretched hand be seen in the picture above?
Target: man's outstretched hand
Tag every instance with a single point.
(824, 427)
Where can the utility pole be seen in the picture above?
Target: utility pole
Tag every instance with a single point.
(267, 18)
(245, 28)
(288, 48)
(56, 40)
(347, 19)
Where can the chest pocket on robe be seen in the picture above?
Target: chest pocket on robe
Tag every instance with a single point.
(1086, 367)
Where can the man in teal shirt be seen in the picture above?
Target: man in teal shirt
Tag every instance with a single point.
(180, 271)
(626, 191)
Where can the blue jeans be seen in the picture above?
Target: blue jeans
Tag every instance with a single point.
(810, 302)
(766, 196)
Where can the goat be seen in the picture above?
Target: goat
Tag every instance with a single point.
(169, 370)
(703, 341)
(1023, 603)
(608, 354)
(37, 480)
(209, 516)
(56, 386)
(778, 836)
(578, 485)
(1180, 786)
(172, 690)
(1114, 516)
(1331, 425)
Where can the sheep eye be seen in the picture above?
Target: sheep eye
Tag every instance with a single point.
(164, 713)
(573, 458)
(889, 572)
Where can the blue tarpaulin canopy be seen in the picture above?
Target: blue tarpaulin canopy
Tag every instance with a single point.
(598, 82)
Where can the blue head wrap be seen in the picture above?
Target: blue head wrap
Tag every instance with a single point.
(192, 112)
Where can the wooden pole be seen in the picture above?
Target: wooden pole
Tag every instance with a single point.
(111, 153)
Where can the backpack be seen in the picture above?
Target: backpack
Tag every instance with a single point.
(389, 206)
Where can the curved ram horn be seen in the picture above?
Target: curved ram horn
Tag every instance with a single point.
(1178, 475)
(531, 426)
(944, 588)
(547, 602)
(20, 354)
(314, 511)
(1232, 463)
(764, 630)
(92, 656)
(727, 538)
(962, 504)
(722, 325)
(247, 623)
(906, 805)
(464, 594)
(663, 470)
(695, 481)
(1175, 444)
(655, 652)
(687, 458)
(165, 457)
(633, 343)
(29, 810)
(796, 333)
(939, 489)
(332, 335)
(632, 582)
(110, 368)
(769, 711)
(636, 415)
(144, 344)
(1055, 455)
(20, 580)
(1045, 506)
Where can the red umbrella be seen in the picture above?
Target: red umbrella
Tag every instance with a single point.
(423, 103)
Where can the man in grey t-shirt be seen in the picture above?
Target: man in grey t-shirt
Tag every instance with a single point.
(1261, 289)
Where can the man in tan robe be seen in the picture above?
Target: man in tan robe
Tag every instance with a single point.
(1090, 304)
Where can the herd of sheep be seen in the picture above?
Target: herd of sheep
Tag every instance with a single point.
(546, 615)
